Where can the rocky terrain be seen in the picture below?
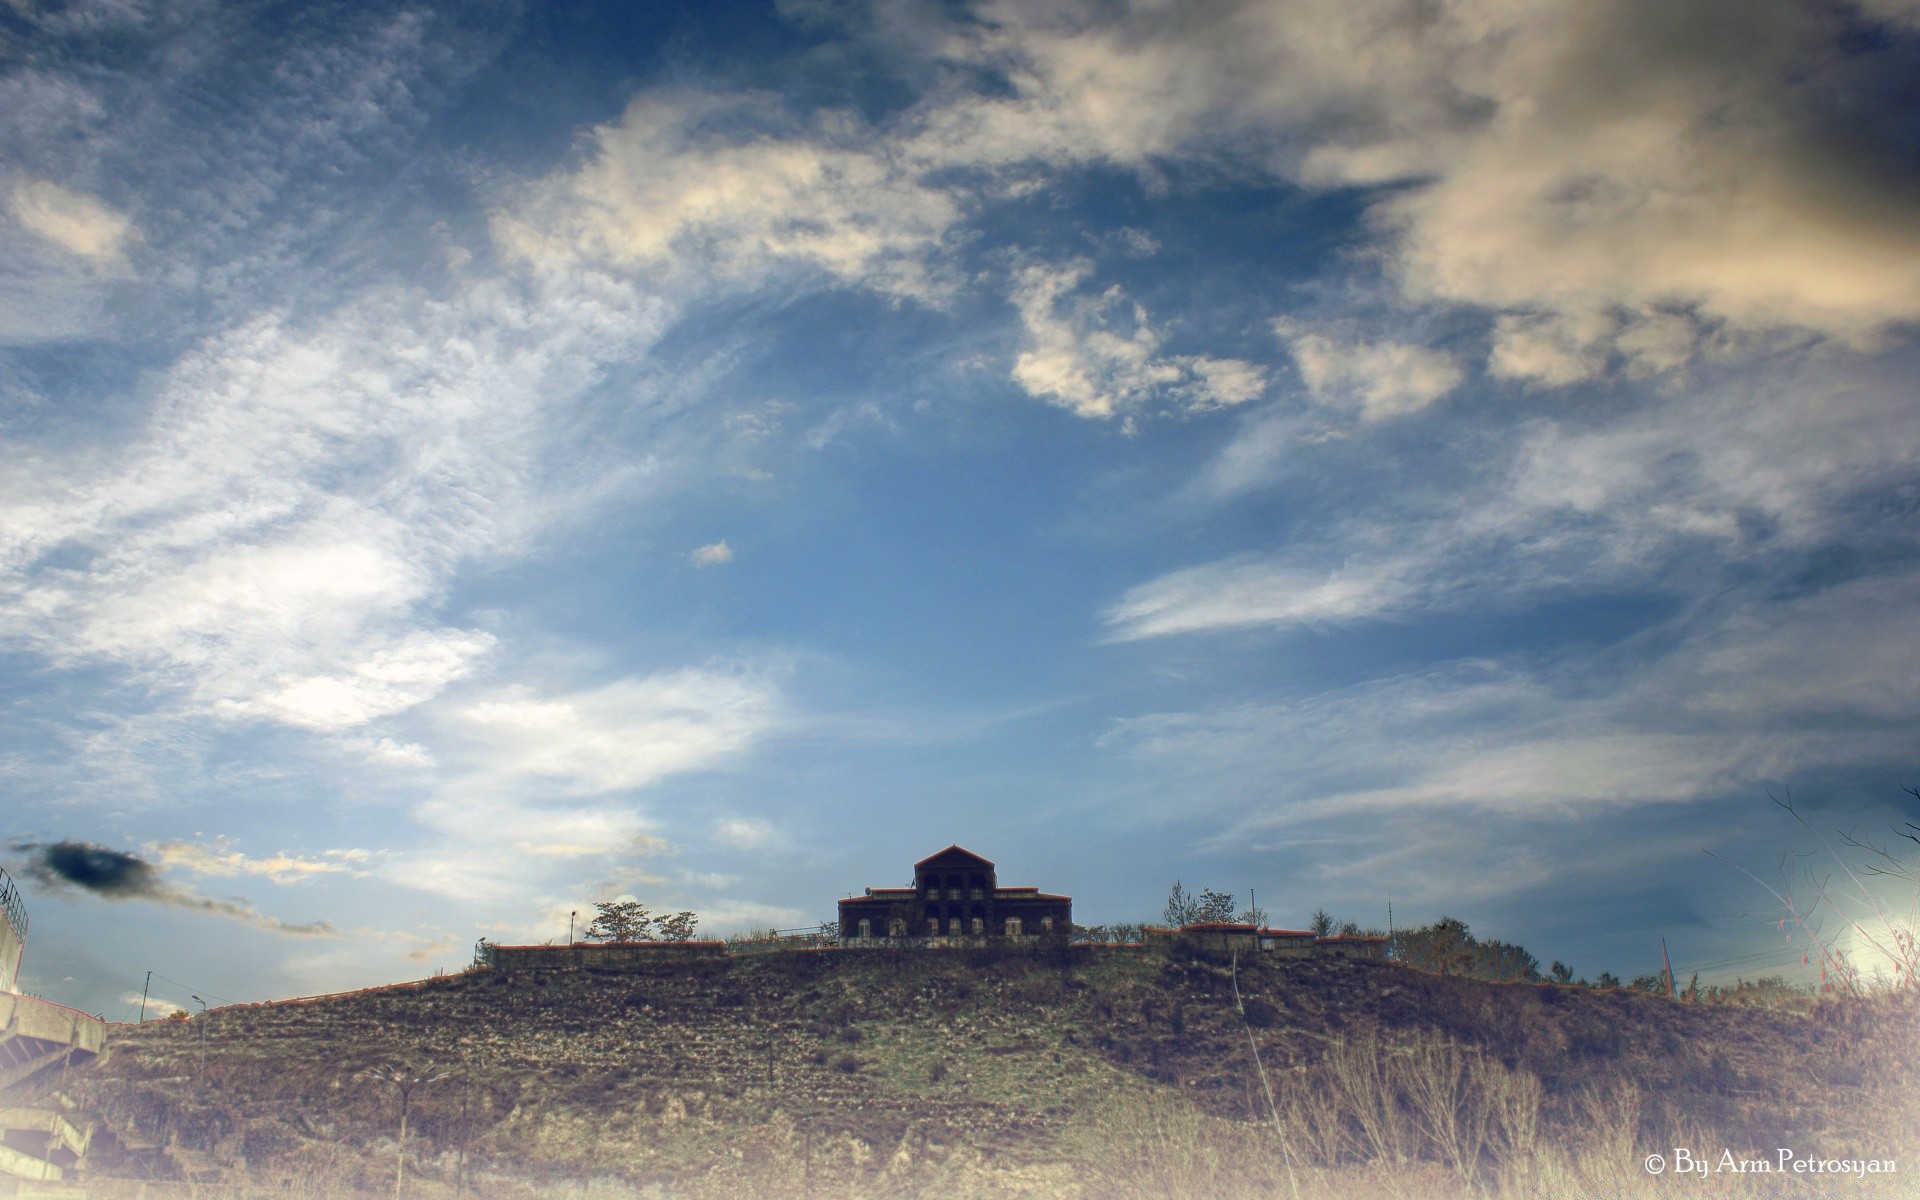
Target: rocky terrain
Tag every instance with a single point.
(855, 1073)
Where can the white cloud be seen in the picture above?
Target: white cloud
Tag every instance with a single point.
(1241, 593)
(744, 833)
(72, 220)
(712, 554)
(1614, 167)
(1738, 696)
(731, 186)
(220, 859)
(1099, 356)
(275, 539)
(627, 734)
(1659, 499)
(1381, 379)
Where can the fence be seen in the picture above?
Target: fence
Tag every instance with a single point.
(12, 905)
(812, 937)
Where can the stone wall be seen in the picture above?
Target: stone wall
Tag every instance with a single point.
(596, 954)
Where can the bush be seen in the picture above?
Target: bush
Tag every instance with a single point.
(846, 1064)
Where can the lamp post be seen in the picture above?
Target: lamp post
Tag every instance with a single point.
(570, 917)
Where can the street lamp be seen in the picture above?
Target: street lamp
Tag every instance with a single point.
(203, 1036)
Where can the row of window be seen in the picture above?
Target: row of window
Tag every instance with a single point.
(933, 893)
(956, 927)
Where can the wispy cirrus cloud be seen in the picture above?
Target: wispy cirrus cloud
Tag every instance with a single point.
(1748, 692)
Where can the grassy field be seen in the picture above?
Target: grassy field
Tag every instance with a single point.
(1100, 1072)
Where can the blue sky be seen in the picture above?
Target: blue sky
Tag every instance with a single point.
(467, 461)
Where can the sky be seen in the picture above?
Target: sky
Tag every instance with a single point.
(464, 461)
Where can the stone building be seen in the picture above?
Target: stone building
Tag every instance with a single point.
(955, 896)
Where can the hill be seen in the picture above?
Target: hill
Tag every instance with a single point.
(1090, 1071)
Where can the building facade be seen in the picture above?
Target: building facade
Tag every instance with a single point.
(956, 896)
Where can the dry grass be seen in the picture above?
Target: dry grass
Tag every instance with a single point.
(1109, 1078)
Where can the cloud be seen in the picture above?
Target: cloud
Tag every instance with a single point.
(734, 186)
(119, 875)
(712, 555)
(1726, 697)
(744, 833)
(1615, 169)
(74, 221)
(626, 734)
(274, 540)
(1381, 379)
(1246, 592)
(221, 860)
(1099, 356)
(1662, 499)
(533, 782)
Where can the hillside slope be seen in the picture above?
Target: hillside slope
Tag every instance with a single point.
(892, 1072)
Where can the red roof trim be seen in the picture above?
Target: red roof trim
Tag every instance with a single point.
(1353, 937)
(566, 946)
(1217, 927)
(1288, 933)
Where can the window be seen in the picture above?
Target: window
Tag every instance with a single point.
(897, 927)
(866, 928)
(933, 926)
(1046, 924)
(979, 926)
(1013, 926)
(953, 927)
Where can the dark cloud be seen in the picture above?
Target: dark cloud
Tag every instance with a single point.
(114, 874)
(118, 875)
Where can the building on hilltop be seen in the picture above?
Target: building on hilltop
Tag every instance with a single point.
(955, 898)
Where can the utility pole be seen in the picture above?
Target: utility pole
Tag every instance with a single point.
(143, 997)
(570, 917)
(203, 1038)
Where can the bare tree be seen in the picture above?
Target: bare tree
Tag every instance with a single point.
(1876, 929)
(405, 1080)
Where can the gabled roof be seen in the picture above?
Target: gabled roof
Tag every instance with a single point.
(954, 854)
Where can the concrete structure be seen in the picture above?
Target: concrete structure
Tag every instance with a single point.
(1353, 945)
(955, 899)
(38, 1040)
(593, 954)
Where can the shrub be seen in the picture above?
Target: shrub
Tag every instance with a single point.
(846, 1064)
